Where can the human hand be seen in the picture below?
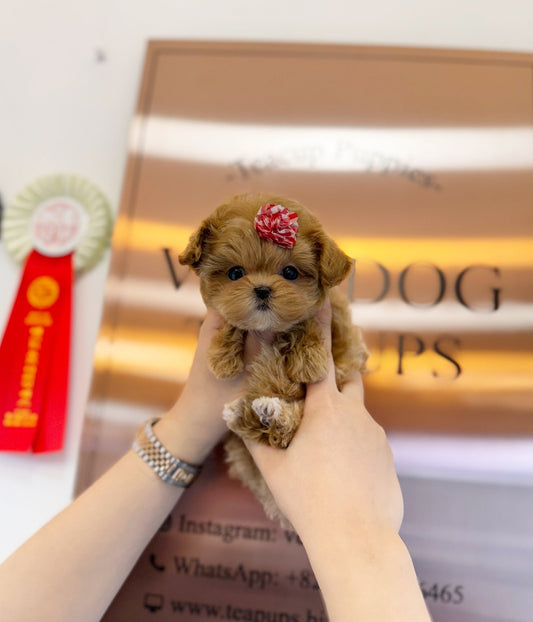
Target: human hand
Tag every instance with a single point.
(337, 485)
(193, 426)
(338, 472)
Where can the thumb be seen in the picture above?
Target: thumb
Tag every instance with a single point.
(212, 322)
(324, 320)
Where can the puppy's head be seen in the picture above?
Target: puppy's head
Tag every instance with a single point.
(255, 283)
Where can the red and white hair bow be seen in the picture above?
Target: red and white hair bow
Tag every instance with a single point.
(277, 224)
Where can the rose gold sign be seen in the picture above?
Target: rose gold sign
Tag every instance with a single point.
(419, 163)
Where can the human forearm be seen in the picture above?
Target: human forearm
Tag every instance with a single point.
(366, 575)
(73, 567)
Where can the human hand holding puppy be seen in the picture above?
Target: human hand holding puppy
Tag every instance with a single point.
(339, 467)
(337, 484)
(193, 426)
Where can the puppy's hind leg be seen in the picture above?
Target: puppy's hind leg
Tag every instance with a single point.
(269, 420)
(279, 417)
(268, 409)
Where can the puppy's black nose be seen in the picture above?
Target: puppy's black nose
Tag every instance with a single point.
(262, 292)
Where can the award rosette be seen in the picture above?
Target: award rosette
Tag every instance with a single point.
(59, 226)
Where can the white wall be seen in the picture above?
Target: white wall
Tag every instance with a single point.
(70, 74)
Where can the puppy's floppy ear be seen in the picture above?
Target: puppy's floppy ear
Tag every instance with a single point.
(334, 263)
(192, 255)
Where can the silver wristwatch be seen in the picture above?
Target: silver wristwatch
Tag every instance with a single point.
(169, 468)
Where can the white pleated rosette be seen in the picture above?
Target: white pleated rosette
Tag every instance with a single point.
(56, 215)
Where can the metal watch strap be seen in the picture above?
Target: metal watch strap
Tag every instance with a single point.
(169, 468)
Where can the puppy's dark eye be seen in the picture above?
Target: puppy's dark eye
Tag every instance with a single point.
(290, 273)
(236, 273)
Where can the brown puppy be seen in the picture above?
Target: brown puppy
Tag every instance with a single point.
(266, 265)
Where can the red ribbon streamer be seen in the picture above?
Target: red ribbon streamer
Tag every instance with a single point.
(35, 357)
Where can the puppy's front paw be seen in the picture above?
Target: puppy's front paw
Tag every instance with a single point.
(226, 352)
(268, 409)
(224, 364)
(307, 365)
(279, 419)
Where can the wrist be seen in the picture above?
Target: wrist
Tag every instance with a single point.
(167, 466)
(335, 551)
(366, 566)
(185, 435)
(331, 541)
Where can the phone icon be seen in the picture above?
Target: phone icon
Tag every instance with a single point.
(154, 564)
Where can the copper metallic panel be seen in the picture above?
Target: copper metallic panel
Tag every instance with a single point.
(419, 162)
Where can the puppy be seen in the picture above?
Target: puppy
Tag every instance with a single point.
(267, 266)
